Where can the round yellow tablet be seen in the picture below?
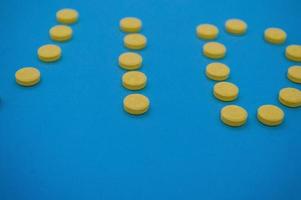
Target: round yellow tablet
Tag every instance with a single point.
(135, 41)
(130, 61)
(270, 115)
(214, 50)
(136, 104)
(275, 35)
(217, 71)
(293, 52)
(67, 16)
(233, 115)
(294, 74)
(236, 26)
(134, 80)
(60, 33)
(225, 91)
(207, 31)
(28, 76)
(130, 24)
(290, 97)
(49, 53)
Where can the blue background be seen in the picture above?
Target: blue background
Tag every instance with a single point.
(69, 138)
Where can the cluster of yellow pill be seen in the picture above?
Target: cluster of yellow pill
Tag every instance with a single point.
(30, 76)
(234, 115)
(289, 96)
(135, 104)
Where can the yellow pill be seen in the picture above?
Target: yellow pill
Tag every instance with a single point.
(236, 26)
(294, 74)
(233, 115)
(214, 50)
(130, 61)
(217, 71)
(135, 41)
(275, 35)
(49, 53)
(290, 97)
(134, 80)
(28, 76)
(207, 31)
(130, 24)
(270, 115)
(225, 91)
(67, 16)
(293, 52)
(136, 104)
(60, 33)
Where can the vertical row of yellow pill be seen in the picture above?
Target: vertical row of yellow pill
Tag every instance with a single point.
(29, 76)
(291, 97)
(135, 104)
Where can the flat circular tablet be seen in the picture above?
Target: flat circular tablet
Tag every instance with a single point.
(60, 33)
(130, 24)
(225, 91)
(233, 115)
(275, 35)
(136, 104)
(236, 26)
(217, 71)
(290, 97)
(67, 16)
(49, 53)
(207, 31)
(135, 41)
(270, 115)
(134, 80)
(27, 76)
(294, 74)
(214, 50)
(130, 61)
(293, 52)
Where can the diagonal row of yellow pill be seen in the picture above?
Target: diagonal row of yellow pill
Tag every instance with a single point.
(30, 76)
(58, 33)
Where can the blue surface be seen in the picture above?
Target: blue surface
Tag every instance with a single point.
(69, 138)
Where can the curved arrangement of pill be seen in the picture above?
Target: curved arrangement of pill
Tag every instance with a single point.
(135, 104)
(234, 115)
(134, 80)
(30, 76)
